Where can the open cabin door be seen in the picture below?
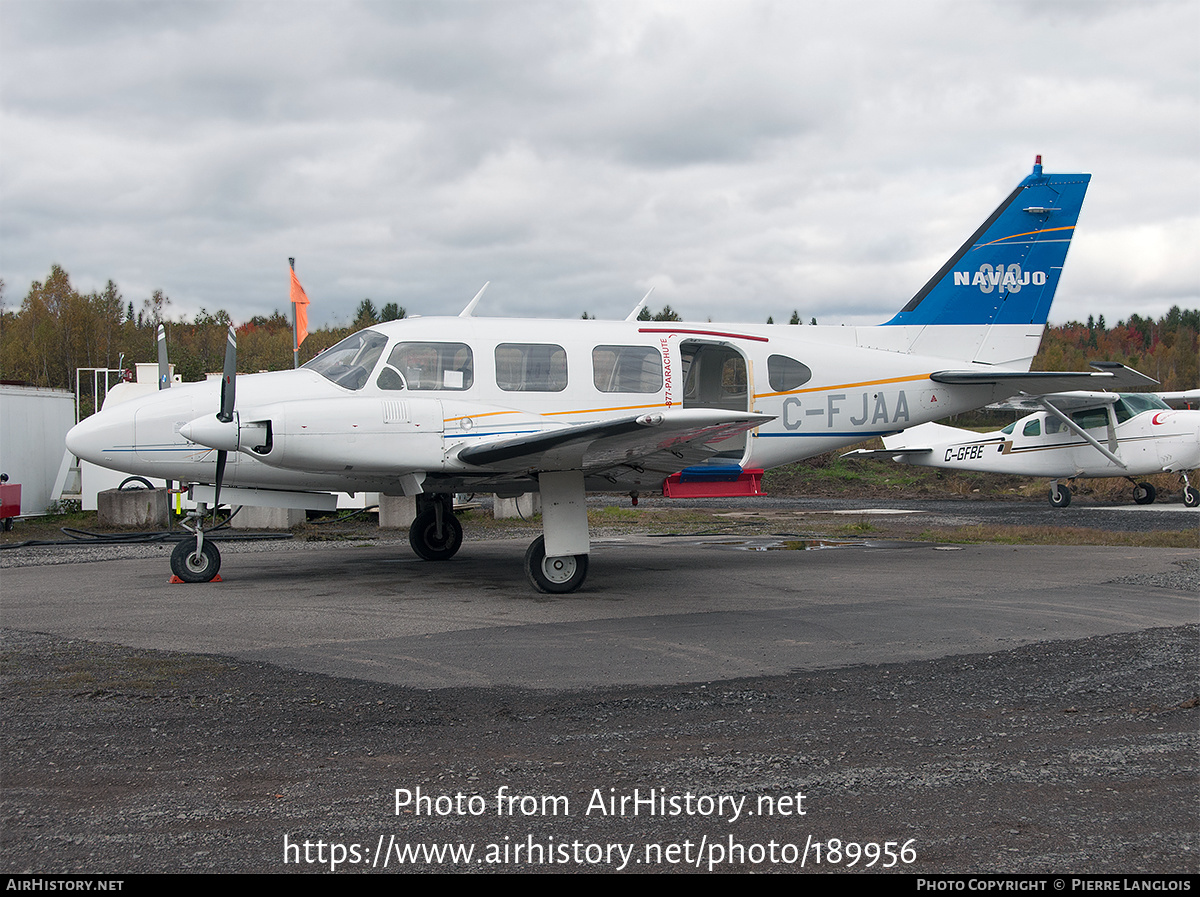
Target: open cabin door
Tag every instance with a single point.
(715, 375)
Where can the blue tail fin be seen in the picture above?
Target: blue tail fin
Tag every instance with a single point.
(1007, 272)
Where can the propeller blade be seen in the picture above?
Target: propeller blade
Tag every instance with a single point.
(164, 370)
(225, 415)
(228, 378)
(221, 456)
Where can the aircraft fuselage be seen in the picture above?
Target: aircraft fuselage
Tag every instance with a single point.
(434, 386)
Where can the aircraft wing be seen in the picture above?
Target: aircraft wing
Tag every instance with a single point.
(1188, 398)
(1063, 401)
(668, 440)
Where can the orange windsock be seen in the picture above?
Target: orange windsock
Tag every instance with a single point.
(300, 300)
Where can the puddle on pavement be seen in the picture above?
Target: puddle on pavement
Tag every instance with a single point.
(811, 544)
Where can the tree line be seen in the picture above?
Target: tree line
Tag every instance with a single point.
(58, 329)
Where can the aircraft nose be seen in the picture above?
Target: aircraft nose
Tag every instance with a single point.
(91, 438)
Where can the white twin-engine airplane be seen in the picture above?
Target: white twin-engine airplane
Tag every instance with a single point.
(1075, 435)
(428, 407)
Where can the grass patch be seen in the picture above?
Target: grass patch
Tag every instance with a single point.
(1057, 535)
(75, 671)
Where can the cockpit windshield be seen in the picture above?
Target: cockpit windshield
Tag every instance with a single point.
(350, 362)
(1134, 403)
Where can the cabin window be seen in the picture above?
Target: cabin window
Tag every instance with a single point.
(531, 367)
(1053, 425)
(1092, 418)
(350, 362)
(1032, 428)
(786, 373)
(627, 369)
(428, 366)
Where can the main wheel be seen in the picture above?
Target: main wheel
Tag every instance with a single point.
(423, 536)
(192, 567)
(554, 575)
(1060, 496)
(1191, 497)
(1143, 494)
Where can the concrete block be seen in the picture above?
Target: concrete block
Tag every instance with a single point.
(525, 506)
(145, 508)
(397, 511)
(267, 518)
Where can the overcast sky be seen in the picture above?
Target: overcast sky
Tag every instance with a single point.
(743, 158)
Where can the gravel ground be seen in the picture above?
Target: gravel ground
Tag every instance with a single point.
(1067, 756)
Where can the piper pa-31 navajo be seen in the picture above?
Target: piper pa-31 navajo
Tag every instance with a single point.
(1073, 435)
(428, 407)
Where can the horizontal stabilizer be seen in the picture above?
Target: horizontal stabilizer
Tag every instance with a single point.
(1040, 383)
(886, 453)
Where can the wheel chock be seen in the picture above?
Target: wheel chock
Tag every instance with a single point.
(174, 579)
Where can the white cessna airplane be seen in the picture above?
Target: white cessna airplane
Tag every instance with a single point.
(432, 406)
(1073, 435)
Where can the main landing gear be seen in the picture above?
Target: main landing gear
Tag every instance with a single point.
(435, 534)
(1060, 495)
(1191, 495)
(557, 575)
(1143, 493)
(557, 560)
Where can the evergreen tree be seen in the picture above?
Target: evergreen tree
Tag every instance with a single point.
(366, 315)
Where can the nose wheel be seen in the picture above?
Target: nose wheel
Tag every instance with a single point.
(195, 563)
(557, 576)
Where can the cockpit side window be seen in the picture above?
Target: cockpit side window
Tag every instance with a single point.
(350, 362)
(427, 366)
(1092, 418)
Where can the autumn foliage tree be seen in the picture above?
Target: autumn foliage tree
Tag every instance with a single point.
(58, 329)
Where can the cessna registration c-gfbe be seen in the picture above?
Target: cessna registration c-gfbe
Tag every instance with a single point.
(1071, 435)
(427, 407)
